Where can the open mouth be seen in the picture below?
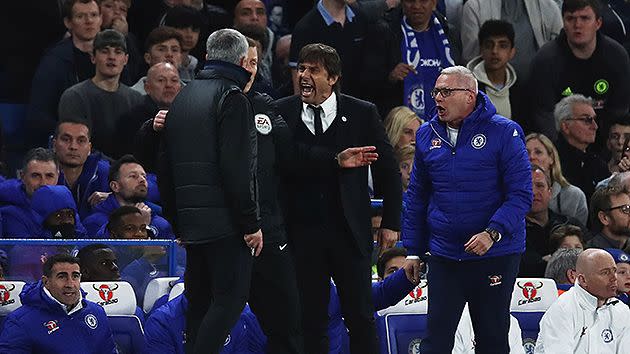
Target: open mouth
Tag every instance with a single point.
(440, 110)
(306, 89)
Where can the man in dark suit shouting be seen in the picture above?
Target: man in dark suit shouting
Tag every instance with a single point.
(329, 206)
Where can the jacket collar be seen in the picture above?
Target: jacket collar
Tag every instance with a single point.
(225, 70)
(587, 300)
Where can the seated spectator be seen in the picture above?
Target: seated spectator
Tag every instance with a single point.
(164, 44)
(610, 216)
(622, 261)
(83, 173)
(535, 22)
(561, 268)
(187, 21)
(103, 99)
(54, 316)
(129, 186)
(539, 222)
(38, 169)
(575, 119)
(579, 61)
(496, 77)
(566, 236)
(162, 85)
(401, 125)
(390, 261)
(54, 214)
(587, 309)
(405, 156)
(64, 65)
(281, 71)
(618, 137)
(566, 199)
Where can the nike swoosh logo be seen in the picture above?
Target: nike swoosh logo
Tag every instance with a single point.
(282, 247)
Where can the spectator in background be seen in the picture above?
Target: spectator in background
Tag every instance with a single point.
(98, 263)
(254, 13)
(618, 137)
(577, 123)
(561, 268)
(566, 236)
(164, 44)
(535, 22)
(496, 76)
(401, 125)
(390, 261)
(405, 156)
(64, 65)
(622, 261)
(566, 199)
(341, 26)
(610, 218)
(128, 182)
(589, 309)
(56, 305)
(404, 54)
(261, 41)
(102, 100)
(580, 60)
(187, 21)
(83, 173)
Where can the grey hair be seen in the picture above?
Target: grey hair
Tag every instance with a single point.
(564, 108)
(464, 75)
(227, 45)
(562, 260)
(618, 179)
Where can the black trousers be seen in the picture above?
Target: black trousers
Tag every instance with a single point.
(274, 299)
(318, 257)
(486, 284)
(217, 282)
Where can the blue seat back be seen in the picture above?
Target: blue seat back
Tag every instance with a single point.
(401, 333)
(128, 333)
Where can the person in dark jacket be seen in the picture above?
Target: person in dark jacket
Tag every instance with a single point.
(469, 192)
(55, 318)
(129, 186)
(208, 179)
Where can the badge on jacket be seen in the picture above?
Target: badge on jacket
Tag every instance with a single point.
(263, 123)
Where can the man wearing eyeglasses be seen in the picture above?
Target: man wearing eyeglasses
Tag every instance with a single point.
(464, 212)
(610, 208)
(575, 120)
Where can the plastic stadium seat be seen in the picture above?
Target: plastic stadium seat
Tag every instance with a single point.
(177, 290)
(9, 298)
(119, 302)
(531, 297)
(157, 288)
(402, 327)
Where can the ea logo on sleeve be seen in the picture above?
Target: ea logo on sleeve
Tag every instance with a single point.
(263, 123)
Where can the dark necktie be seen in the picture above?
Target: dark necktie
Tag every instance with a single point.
(317, 119)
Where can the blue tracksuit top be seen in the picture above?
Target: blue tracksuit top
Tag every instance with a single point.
(458, 191)
(41, 325)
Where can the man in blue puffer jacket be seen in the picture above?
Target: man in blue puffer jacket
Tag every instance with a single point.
(469, 192)
(55, 318)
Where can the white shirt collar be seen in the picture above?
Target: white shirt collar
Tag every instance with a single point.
(63, 306)
(329, 106)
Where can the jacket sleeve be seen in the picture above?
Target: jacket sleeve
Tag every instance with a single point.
(542, 96)
(415, 233)
(515, 171)
(391, 290)
(237, 160)
(157, 335)
(387, 180)
(146, 143)
(14, 338)
(556, 332)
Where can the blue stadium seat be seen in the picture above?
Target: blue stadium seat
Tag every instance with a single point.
(9, 298)
(531, 297)
(119, 302)
(157, 288)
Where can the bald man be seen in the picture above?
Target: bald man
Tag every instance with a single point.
(588, 318)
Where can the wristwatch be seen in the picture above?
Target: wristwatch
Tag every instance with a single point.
(494, 234)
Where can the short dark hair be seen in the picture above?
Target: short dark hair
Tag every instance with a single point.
(66, 9)
(182, 16)
(386, 257)
(620, 120)
(115, 217)
(39, 154)
(162, 34)
(600, 201)
(496, 28)
(561, 231)
(58, 258)
(256, 33)
(88, 251)
(74, 120)
(325, 55)
(109, 38)
(114, 169)
(574, 5)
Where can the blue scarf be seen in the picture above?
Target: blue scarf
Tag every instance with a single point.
(435, 56)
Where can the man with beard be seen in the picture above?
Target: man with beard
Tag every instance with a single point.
(610, 213)
(128, 182)
(84, 174)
